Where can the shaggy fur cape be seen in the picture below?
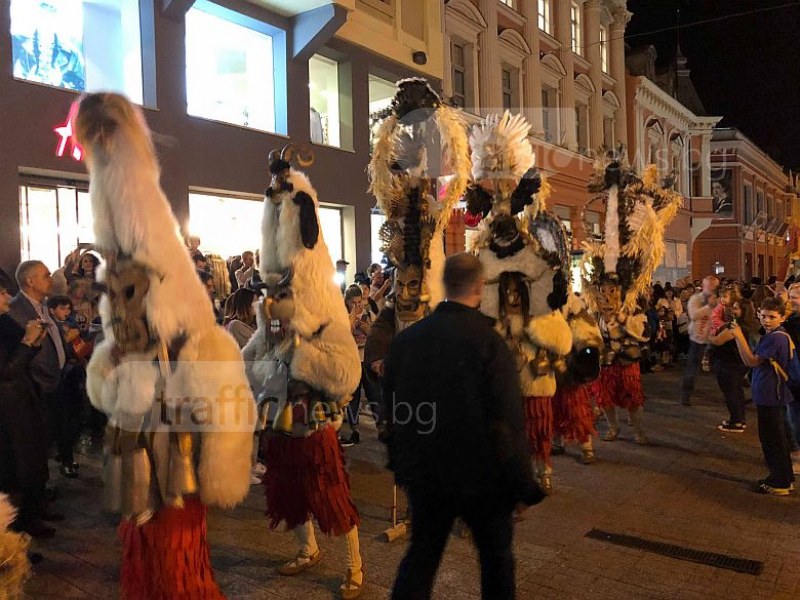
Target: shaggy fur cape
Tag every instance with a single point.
(132, 217)
(326, 357)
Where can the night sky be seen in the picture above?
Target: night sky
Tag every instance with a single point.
(745, 68)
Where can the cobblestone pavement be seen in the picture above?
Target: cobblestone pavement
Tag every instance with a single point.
(690, 487)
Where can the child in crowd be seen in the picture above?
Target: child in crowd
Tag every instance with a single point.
(61, 311)
(770, 395)
(722, 312)
(664, 338)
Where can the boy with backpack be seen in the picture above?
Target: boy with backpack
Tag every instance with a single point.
(771, 366)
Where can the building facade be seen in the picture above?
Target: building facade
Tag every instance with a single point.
(559, 62)
(222, 83)
(750, 228)
(666, 133)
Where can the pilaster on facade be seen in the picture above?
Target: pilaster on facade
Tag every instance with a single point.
(490, 90)
(567, 136)
(621, 17)
(532, 80)
(592, 11)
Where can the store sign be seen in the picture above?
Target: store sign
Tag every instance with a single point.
(67, 136)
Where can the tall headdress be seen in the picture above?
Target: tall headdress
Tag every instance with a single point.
(637, 211)
(161, 339)
(325, 356)
(418, 172)
(506, 200)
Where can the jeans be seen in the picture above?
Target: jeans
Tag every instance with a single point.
(372, 390)
(693, 360)
(730, 378)
(774, 438)
(434, 514)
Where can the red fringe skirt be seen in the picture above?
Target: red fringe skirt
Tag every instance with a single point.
(306, 477)
(539, 425)
(620, 386)
(572, 414)
(167, 557)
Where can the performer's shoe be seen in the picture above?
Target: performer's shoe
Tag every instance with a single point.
(351, 588)
(611, 435)
(558, 449)
(546, 481)
(641, 439)
(588, 457)
(70, 471)
(300, 563)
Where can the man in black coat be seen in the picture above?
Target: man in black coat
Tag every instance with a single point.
(47, 367)
(457, 439)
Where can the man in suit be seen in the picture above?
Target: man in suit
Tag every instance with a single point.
(36, 283)
(457, 436)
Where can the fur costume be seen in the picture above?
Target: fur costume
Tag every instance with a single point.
(166, 375)
(305, 365)
(419, 143)
(618, 269)
(14, 565)
(572, 408)
(525, 255)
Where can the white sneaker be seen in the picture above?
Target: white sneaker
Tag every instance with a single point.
(259, 469)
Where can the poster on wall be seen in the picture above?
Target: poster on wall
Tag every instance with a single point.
(47, 42)
(722, 193)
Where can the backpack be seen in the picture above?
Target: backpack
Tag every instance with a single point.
(792, 377)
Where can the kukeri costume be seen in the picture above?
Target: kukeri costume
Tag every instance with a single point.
(573, 414)
(525, 256)
(181, 414)
(617, 270)
(14, 565)
(305, 364)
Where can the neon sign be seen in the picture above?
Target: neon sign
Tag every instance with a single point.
(68, 136)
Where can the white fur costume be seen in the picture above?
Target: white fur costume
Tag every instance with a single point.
(132, 217)
(311, 345)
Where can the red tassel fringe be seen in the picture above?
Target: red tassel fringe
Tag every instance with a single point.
(620, 386)
(572, 414)
(306, 477)
(539, 425)
(167, 557)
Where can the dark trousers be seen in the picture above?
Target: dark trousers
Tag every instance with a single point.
(65, 407)
(373, 393)
(730, 378)
(774, 437)
(793, 419)
(434, 514)
(693, 360)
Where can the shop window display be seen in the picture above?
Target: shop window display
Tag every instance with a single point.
(323, 84)
(81, 45)
(229, 71)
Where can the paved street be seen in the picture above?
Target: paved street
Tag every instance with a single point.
(690, 487)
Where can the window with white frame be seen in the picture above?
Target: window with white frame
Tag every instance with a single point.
(604, 48)
(582, 127)
(545, 15)
(677, 164)
(747, 201)
(458, 60)
(229, 71)
(81, 45)
(54, 219)
(576, 25)
(506, 74)
(550, 113)
(381, 92)
(323, 86)
(509, 3)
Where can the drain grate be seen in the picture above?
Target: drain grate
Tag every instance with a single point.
(712, 559)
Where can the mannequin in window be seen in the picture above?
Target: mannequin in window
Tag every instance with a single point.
(317, 136)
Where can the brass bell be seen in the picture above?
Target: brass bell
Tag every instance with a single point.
(283, 424)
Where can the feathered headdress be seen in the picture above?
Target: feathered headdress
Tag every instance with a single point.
(419, 144)
(637, 211)
(506, 200)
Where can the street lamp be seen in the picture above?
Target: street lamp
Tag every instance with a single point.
(719, 269)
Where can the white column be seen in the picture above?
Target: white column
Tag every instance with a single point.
(705, 166)
(532, 93)
(567, 117)
(491, 95)
(617, 48)
(591, 11)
